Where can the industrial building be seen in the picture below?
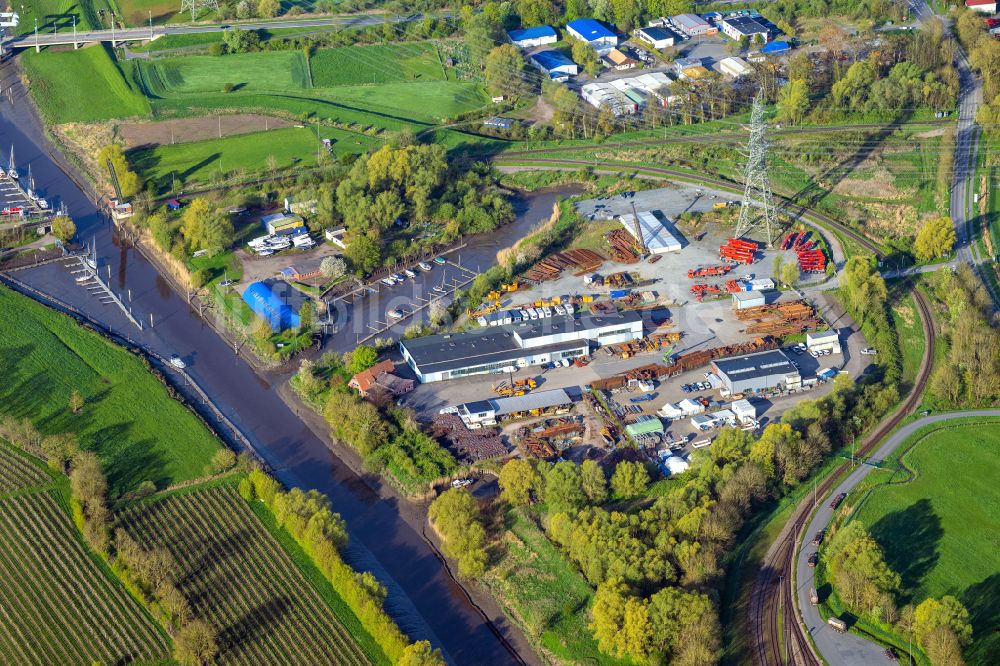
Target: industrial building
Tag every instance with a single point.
(658, 37)
(680, 64)
(655, 235)
(824, 341)
(555, 64)
(539, 35)
(735, 67)
(488, 412)
(498, 122)
(505, 348)
(750, 27)
(748, 299)
(694, 25)
(757, 372)
(744, 410)
(283, 224)
(593, 32)
(276, 302)
(645, 425)
(605, 95)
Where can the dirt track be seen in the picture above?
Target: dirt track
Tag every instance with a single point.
(183, 130)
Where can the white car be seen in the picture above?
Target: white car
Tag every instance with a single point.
(814, 354)
(177, 362)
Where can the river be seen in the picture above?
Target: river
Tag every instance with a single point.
(423, 598)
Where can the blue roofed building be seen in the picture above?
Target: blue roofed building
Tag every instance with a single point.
(592, 32)
(555, 64)
(539, 35)
(272, 300)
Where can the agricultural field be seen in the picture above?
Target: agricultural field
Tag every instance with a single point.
(56, 80)
(137, 429)
(237, 577)
(60, 605)
(138, 12)
(377, 63)
(943, 537)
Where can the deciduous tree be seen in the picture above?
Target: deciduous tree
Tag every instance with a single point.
(593, 481)
(517, 479)
(63, 228)
(629, 480)
(563, 491)
(793, 102)
(195, 644)
(935, 239)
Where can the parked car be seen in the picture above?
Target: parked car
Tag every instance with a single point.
(818, 538)
(835, 502)
(868, 351)
(813, 560)
(890, 654)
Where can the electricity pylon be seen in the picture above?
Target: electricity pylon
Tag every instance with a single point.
(757, 210)
(197, 5)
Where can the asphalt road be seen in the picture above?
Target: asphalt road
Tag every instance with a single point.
(138, 34)
(849, 649)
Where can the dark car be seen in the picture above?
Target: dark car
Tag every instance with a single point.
(813, 559)
(818, 539)
(890, 654)
(835, 502)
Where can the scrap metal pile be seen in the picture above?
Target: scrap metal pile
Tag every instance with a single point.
(546, 440)
(780, 319)
(623, 249)
(467, 445)
(647, 344)
(580, 261)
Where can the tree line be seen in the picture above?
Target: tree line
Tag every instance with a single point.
(870, 589)
(969, 374)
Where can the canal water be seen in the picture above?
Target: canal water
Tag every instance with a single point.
(423, 598)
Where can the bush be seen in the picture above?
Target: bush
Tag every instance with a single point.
(228, 88)
(223, 460)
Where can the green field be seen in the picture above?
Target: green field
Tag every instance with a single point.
(84, 85)
(237, 577)
(941, 530)
(278, 71)
(139, 432)
(138, 12)
(203, 161)
(377, 63)
(548, 597)
(60, 606)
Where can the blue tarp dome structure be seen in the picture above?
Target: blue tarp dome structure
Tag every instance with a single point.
(265, 302)
(775, 48)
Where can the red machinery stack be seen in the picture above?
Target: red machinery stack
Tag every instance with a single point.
(708, 271)
(738, 251)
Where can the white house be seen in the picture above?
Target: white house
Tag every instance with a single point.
(658, 37)
(982, 6)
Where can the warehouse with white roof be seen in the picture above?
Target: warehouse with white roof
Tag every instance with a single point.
(657, 238)
(488, 412)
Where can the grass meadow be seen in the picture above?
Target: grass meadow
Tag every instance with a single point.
(377, 63)
(275, 71)
(137, 429)
(60, 603)
(940, 529)
(85, 85)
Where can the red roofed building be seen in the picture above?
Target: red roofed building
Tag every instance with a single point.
(982, 6)
(380, 378)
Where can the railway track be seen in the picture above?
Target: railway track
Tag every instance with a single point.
(779, 637)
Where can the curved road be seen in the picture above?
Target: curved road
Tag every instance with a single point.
(850, 649)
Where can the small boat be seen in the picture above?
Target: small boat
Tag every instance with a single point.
(439, 260)
(397, 277)
(394, 314)
(266, 252)
(177, 362)
(438, 289)
(388, 281)
(409, 273)
(85, 277)
(424, 266)
(12, 170)
(43, 204)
